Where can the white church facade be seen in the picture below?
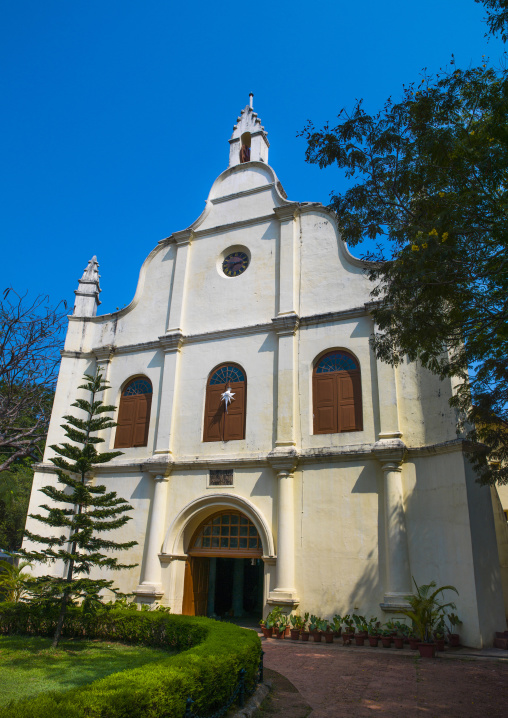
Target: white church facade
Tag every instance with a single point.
(269, 457)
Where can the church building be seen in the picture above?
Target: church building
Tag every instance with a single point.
(270, 458)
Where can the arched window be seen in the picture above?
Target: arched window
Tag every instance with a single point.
(224, 417)
(134, 414)
(226, 533)
(245, 147)
(337, 394)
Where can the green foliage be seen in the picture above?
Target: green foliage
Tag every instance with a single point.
(14, 583)
(91, 511)
(426, 610)
(208, 671)
(497, 17)
(15, 489)
(429, 180)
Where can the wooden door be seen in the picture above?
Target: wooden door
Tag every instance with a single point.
(195, 586)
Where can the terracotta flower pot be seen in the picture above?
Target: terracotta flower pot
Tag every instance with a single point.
(287, 632)
(386, 641)
(347, 638)
(337, 634)
(305, 635)
(374, 640)
(316, 636)
(328, 636)
(295, 634)
(427, 650)
(440, 644)
(359, 639)
(279, 634)
(413, 643)
(267, 632)
(453, 640)
(399, 642)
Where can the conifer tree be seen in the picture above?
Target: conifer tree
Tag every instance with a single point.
(90, 510)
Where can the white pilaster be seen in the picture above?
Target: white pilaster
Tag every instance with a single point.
(286, 327)
(150, 589)
(390, 453)
(175, 320)
(389, 424)
(171, 344)
(288, 289)
(285, 590)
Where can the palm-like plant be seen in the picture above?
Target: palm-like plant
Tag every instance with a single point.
(14, 584)
(426, 610)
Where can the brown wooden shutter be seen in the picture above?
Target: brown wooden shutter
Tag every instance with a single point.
(234, 420)
(350, 401)
(214, 414)
(325, 404)
(126, 420)
(142, 420)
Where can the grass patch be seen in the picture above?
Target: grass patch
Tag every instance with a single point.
(29, 666)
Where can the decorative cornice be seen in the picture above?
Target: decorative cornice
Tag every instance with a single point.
(390, 452)
(243, 193)
(337, 316)
(227, 333)
(160, 465)
(287, 211)
(104, 354)
(326, 454)
(234, 225)
(171, 342)
(284, 460)
(66, 354)
(168, 557)
(286, 324)
(183, 237)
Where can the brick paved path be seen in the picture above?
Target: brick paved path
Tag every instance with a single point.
(337, 681)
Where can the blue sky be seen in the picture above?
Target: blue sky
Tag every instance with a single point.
(116, 115)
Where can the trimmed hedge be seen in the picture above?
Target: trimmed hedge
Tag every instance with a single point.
(213, 653)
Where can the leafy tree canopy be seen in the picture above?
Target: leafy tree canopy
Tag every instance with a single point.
(430, 183)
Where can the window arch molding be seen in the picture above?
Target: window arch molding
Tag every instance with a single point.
(225, 421)
(336, 392)
(133, 421)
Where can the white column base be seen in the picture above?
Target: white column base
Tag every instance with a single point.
(149, 592)
(395, 602)
(283, 597)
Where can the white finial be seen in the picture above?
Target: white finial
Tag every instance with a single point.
(251, 100)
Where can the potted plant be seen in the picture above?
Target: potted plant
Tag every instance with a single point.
(314, 628)
(425, 613)
(403, 631)
(337, 625)
(362, 629)
(325, 631)
(304, 632)
(386, 636)
(266, 627)
(348, 631)
(453, 622)
(297, 624)
(439, 634)
(373, 632)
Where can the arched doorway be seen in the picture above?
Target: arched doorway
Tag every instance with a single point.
(224, 571)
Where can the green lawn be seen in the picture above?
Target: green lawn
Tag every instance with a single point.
(29, 666)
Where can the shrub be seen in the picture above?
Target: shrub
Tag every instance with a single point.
(207, 669)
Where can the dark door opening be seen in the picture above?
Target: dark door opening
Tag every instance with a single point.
(235, 588)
